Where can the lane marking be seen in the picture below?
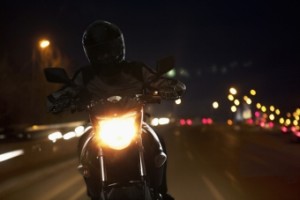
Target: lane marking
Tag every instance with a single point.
(78, 194)
(190, 155)
(234, 182)
(186, 145)
(258, 160)
(62, 187)
(177, 133)
(13, 184)
(11, 154)
(214, 191)
(230, 176)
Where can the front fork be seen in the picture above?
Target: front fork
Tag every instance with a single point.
(102, 173)
(142, 166)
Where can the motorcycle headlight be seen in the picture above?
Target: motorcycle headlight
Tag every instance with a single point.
(118, 132)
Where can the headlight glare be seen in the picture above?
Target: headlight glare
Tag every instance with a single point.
(117, 133)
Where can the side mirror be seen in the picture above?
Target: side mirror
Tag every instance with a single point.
(57, 75)
(164, 65)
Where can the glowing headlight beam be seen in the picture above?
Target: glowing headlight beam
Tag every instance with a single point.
(69, 135)
(11, 154)
(55, 136)
(163, 121)
(117, 133)
(155, 122)
(79, 130)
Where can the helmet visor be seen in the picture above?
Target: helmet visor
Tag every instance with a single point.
(105, 53)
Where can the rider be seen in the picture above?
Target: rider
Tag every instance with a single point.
(109, 74)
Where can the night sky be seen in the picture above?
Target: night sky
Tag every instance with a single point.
(247, 44)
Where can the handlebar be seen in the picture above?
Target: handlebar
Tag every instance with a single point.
(71, 104)
(151, 99)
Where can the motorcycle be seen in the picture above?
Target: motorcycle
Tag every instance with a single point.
(117, 143)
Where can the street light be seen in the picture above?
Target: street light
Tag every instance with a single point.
(249, 101)
(233, 108)
(232, 91)
(253, 92)
(230, 97)
(258, 106)
(215, 105)
(44, 43)
(295, 122)
(45, 54)
(298, 111)
(236, 102)
(272, 117)
(281, 120)
(287, 122)
(178, 101)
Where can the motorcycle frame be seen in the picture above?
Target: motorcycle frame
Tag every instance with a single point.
(142, 165)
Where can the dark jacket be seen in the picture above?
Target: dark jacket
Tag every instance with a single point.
(131, 79)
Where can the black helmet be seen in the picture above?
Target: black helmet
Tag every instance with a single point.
(103, 44)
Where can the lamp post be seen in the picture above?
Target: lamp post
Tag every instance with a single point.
(42, 55)
(215, 106)
(178, 101)
(175, 105)
(232, 97)
(45, 53)
(44, 43)
(233, 91)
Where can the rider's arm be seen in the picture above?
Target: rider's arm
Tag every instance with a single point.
(61, 99)
(167, 88)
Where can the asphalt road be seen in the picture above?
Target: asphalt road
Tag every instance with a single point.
(210, 163)
(232, 164)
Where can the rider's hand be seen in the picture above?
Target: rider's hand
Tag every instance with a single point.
(168, 93)
(58, 105)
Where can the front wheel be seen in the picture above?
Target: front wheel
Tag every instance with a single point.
(136, 192)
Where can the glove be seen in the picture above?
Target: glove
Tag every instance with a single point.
(168, 93)
(67, 98)
(58, 105)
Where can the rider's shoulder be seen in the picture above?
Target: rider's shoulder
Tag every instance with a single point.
(133, 63)
(84, 73)
(83, 69)
(136, 66)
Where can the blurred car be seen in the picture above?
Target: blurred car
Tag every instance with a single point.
(295, 134)
(292, 131)
(186, 122)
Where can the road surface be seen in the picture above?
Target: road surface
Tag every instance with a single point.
(210, 163)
